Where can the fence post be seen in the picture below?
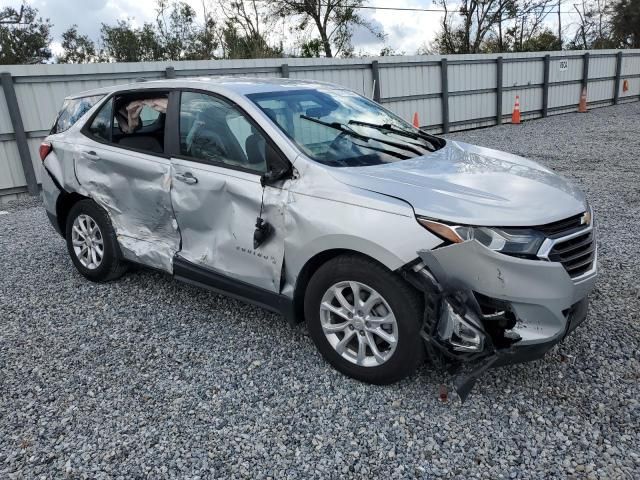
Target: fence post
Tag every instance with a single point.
(545, 86)
(170, 72)
(499, 69)
(19, 133)
(284, 70)
(375, 73)
(585, 71)
(616, 91)
(445, 95)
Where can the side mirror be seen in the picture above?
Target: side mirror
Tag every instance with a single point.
(278, 168)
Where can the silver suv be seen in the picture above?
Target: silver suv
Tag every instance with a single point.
(310, 200)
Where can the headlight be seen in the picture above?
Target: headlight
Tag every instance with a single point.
(511, 241)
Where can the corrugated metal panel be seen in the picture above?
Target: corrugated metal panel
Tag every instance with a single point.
(405, 81)
(530, 100)
(5, 121)
(429, 110)
(602, 67)
(41, 88)
(471, 76)
(561, 95)
(11, 174)
(523, 73)
(600, 90)
(634, 88)
(465, 107)
(572, 72)
(631, 65)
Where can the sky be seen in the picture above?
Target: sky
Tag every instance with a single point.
(405, 31)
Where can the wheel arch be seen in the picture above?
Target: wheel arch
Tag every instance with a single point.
(64, 204)
(313, 264)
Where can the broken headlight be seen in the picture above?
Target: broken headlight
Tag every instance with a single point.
(519, 242)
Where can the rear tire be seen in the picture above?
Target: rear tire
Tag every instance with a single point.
(339, 325)
(92, 243)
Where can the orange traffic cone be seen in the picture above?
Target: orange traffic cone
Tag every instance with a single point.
(416, 120)
(515, 115)
(582, 106)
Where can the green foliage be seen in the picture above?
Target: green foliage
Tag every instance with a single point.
(24, 36)
(625, 23)
(332, 20)
(311, 48)
(545, 41)
(125, 43)
(77, 48)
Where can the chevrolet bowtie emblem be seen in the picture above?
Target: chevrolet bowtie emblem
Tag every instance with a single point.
(586, 219)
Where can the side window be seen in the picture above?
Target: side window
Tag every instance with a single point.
(214, 131)
(72, 110)
(101, 125)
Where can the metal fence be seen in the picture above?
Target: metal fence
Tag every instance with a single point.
(449, 93)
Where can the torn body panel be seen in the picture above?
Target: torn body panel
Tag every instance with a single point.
(135, 190)
(216, 215)
(487, 309)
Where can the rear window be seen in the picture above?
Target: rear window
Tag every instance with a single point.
(72, 110)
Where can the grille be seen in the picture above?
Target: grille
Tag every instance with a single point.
(562, 227)
(576, 254)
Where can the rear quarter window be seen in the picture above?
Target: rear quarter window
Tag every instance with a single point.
(72, 110)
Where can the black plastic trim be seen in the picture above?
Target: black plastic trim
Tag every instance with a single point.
(188, 272)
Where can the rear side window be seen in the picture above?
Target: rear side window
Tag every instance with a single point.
(133, 121)
(72, 110)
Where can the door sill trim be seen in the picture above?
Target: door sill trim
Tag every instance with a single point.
(189, 272)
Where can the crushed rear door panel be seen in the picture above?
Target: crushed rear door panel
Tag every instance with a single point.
(135, 189)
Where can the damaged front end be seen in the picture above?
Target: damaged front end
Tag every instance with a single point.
(484, 309)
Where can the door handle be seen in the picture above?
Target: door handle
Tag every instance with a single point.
(187, 178)
(90, 155)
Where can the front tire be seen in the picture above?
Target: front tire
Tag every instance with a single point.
(365, 320)
(92, 243)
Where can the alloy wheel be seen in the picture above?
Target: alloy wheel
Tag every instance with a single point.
(87, 241)
(359, 323)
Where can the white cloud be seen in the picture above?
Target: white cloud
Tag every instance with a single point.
(405, 31)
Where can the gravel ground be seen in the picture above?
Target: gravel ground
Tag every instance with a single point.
(147, 377)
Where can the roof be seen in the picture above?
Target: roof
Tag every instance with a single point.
(238, 85)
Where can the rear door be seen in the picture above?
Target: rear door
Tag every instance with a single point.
(125, 170)
(217, 196)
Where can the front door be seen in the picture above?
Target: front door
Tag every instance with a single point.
(216, 193)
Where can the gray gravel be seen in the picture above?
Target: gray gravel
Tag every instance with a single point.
(146, 377)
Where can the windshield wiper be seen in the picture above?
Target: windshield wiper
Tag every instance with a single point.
(343, 128)
(388, 127)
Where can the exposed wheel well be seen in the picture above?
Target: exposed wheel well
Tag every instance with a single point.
(310, 268)
(64, 204)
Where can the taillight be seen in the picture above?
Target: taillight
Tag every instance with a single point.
(45, 149)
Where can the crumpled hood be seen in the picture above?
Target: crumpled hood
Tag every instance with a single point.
(472, 185)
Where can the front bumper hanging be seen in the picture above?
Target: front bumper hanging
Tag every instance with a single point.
(493, 311)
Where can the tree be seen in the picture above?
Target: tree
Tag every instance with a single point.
(476, 18)
(625, 23)
(332, 20)
(244, 33)
(594, 29)
(181, 38)
(544, 41)
(124, 43)
(77, 48)
(479, 26)
(24, 36)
